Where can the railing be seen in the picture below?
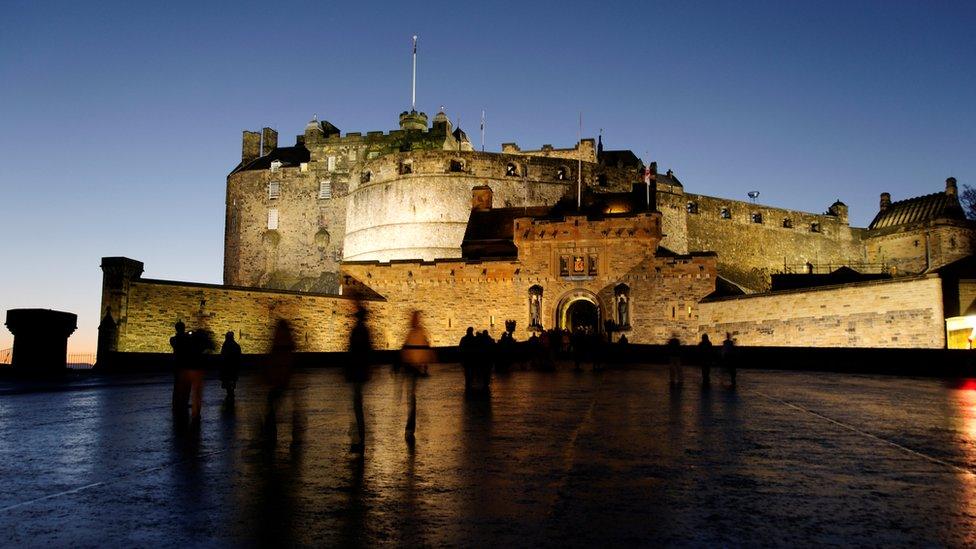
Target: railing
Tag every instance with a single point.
(827, 268)
(81, 361)
(75, 361)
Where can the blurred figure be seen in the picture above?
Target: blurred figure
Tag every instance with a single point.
(469, 354)
(180, 343)
(415, 356)
(200, 343)
(676, 375)
(357, 372)
(230, 365)
(278, 372)
(705, 356)
(728, 356)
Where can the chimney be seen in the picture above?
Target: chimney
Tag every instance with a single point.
(951, 189)
(269, 141)
(885, 201)
(252, 146)
(481, 197)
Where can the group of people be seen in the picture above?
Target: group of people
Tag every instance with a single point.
(189, 349)
(706, 358)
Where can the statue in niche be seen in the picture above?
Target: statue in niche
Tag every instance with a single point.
(535, 309)
(563, 265)
(622, 313)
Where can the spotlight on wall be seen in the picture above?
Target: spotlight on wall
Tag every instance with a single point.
(753, 195)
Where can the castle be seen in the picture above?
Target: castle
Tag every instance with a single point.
(576, 238)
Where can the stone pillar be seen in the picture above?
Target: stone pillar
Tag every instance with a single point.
(40, 339)
(885, 201)
(951, 189)
(117, 275)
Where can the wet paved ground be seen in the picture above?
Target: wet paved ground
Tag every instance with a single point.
(611, 458)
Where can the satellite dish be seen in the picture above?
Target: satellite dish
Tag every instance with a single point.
(753, 195)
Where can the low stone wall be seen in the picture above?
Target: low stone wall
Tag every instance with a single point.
(897, 313)
(319, 322)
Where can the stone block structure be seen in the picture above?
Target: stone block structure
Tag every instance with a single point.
(572, 238)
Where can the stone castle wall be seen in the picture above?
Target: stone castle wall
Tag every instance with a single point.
(903, 312)
(914, 250)
(319, 322)
(748, 252)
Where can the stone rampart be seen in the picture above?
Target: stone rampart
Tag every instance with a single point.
(900, 313)
(753, 241)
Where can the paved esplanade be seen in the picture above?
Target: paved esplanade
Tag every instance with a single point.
(613, 457)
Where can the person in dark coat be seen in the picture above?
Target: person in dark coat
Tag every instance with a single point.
(468, 347)
(728, 356)
(230, 365)
(705, 357)
(180, 342)
(357, 372)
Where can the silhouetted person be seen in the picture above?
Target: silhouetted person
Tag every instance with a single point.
(705, 356)
(578, 341)
(485, 357)
(278, 373)
(676, 374)
(728, 356)
(357, 372)
(415, 356)
(469, 355)
(180, 343)
(230, 365)
(199, 343)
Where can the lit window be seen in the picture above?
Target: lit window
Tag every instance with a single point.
(725, 213)
(325, 189)
(275, 165)
(274, 190)
(787, 223)
(273, 219)
(815, 227)
(756, 217)
(332, 163)
(692, 207)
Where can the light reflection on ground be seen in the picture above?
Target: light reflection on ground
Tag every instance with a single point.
(553, 459)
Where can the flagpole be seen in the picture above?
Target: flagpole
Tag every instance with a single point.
(579, 165)
(482, 130)
(413, 87)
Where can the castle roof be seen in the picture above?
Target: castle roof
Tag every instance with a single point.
(288, 156)
(918, 210)
(459, 134)
(619, 159)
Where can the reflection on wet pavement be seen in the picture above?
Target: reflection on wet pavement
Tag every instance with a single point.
(552, 458)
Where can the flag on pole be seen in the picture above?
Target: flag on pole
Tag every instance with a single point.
(647, 175)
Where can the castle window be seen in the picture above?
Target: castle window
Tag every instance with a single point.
(275, 165)
(916, 243)
(815, 227)
(756, 217)
(406, 167)
(273, 219)
(787, 223)
(692, 207)
(725, 213)
(325, 189)
(274, 189)
(365, 176)
(457, 166)
(601, 180)
(332, 163)
(562, 173)
(511, 170)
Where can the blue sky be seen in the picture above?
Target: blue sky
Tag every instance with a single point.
(121, 120)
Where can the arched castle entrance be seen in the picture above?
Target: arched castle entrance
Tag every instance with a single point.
(579, 310)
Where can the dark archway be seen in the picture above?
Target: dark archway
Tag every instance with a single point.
(582, 315)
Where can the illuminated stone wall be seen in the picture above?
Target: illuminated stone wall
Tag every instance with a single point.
(750, 252)
(903, 312)
(913, 250)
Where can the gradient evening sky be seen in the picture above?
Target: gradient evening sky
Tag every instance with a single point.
(121, 120)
